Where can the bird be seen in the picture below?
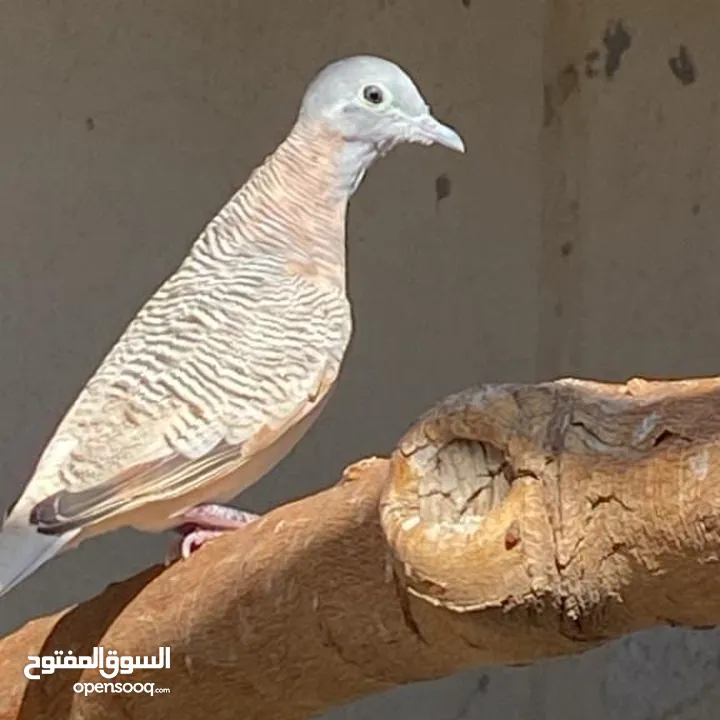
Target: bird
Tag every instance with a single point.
(226, 366)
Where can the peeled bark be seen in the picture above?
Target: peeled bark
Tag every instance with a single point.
(511, 523)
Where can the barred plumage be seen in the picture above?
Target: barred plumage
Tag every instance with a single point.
(224, 369)
(234, 341)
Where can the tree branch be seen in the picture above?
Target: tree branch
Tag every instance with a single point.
(511, 523)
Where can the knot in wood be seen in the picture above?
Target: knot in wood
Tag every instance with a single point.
(460, 482)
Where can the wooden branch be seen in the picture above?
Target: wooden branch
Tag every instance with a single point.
(511, 523)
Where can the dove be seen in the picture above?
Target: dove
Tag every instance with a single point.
(223, 370)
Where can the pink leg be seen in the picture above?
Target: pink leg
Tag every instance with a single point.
(204, 522)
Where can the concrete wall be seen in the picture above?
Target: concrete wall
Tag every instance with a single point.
(579, 237)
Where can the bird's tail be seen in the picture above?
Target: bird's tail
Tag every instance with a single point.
(23, 550)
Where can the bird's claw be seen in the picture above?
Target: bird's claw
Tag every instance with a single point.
(202, 523)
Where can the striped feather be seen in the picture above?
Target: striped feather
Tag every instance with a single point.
(237, 343)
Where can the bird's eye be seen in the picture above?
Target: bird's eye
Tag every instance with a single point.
(373, 94)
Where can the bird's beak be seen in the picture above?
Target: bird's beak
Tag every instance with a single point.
(429, 130)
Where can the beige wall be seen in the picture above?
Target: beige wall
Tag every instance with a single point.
(578, 238)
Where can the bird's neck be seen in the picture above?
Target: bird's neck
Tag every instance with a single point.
(339, 164)
(311, 177)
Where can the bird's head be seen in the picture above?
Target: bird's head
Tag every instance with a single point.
(371, 102)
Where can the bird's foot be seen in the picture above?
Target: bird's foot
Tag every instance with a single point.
(202, 523)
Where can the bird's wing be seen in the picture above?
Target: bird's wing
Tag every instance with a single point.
(197, 385)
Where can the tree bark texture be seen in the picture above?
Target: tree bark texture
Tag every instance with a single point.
(511, 523)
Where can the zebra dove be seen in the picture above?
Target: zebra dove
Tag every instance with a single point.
(228, 364)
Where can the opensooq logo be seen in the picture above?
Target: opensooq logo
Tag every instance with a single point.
(110, 665)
